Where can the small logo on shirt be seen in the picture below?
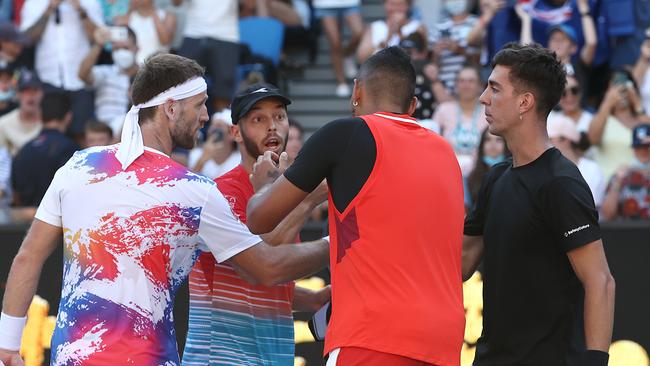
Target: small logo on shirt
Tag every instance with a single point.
(261, 90)
(572, 231)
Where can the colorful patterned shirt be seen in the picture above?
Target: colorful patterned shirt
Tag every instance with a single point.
(634, 198)
(130, 239)
(231, 321)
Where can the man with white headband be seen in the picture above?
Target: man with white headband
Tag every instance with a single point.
(133, 222)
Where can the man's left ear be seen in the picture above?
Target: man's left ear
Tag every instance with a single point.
(236, 134)
(172, 109)
(412, 106)
(527, 102)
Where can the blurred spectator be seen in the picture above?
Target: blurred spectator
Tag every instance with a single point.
(212, 39)
(450, 41)
(564, 135)
(63, 31)
(97, 134)
(7, 90)
(628, 195)
(488, 9)
(37, 162)
(563, 40)
(218, 154)
(24, 123)
(570, 107)
(609, 131)
(12, 43)
(280, 10)
(295, 139)
(6, 10)
(114, 9)
(491, 150)
(432, 14)
(389, 32)
(428, 88)
(568, 28)
(153, 27)
(641, 74)
(329, 12)
(111, 82)
(463, 120)
(5, 178)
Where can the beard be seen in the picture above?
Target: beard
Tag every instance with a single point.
(252, 149)
(183, 135)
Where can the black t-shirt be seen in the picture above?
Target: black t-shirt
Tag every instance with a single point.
(530, 217)
(343, 151)
(36, 163)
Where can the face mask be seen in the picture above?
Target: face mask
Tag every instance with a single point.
(637, 165)
(491, 161)
(456, 7)
(123, 58)
(7, 95)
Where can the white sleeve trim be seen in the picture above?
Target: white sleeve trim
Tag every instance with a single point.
(233, 251)
(48, 218)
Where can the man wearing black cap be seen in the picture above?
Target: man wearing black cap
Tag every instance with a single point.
(24, 123)
(243, 322)
(628, 195)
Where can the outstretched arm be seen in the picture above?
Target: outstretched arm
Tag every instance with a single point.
(40, 242)
(270, 265)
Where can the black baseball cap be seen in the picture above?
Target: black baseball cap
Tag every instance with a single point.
(246, 99)
(29, 79)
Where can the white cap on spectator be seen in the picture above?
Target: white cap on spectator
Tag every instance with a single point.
(562, 126)
(223, 116)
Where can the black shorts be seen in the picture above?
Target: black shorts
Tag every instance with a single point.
(220, 59)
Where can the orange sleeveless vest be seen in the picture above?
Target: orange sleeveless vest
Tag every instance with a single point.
(396, 249)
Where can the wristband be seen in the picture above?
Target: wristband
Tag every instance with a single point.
(595, 358)
(11, 331)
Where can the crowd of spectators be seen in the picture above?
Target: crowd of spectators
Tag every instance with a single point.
(66, 68)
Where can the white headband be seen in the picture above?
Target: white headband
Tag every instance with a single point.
(132, 145)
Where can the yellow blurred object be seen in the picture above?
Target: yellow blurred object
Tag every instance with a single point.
(313, 283)
(302, 333)
(37, 333)
(627, 353)
(473, 302)
(299, 361)
(467, 355)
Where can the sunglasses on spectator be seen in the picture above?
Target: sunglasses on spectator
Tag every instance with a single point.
(574, 90)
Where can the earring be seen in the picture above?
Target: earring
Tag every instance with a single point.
(521, 117)
(355, 103)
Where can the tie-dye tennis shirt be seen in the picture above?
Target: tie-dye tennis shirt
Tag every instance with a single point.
(130, 239)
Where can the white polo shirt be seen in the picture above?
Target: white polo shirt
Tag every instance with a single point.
(63, 45)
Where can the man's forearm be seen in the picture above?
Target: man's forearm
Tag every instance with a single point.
(599, 313)
(85, 69)
(36, 31)
(289, 228)
(21, 285)
(291, 262)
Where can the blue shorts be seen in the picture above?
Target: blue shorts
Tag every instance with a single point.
(336, 12)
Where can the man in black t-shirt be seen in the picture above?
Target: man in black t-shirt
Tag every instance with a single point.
(536, 228)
